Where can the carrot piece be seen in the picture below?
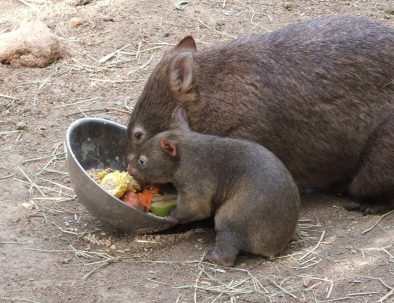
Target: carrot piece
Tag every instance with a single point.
(146, 198)
(155, 188)
(132, 199)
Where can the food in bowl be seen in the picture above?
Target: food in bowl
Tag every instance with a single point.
(124, 187)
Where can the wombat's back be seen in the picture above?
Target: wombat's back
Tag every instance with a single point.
(312, 93)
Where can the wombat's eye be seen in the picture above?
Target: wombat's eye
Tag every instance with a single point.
(138, 134)
(141, 161)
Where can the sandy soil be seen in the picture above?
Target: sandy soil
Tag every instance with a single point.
(58, 252)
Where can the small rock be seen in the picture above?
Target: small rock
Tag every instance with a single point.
(113, 246)
(288, 5)
(31, 45)
(309, 283)
(78, 2)
(31, 279)
(65, 261)
(167, 34)
(75, 22)
(389, 10)
(20, 125)
(108, 19)
(29, 205)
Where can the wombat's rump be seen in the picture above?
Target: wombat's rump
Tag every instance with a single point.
(318, 94)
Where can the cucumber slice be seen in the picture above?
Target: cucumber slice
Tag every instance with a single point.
(164, 198)
(163, 208)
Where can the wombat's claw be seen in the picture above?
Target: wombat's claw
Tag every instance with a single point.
(213, 257)
(353, 206)
(367, 208)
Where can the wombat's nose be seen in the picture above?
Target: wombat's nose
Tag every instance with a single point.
(136, 174)
(130, 169)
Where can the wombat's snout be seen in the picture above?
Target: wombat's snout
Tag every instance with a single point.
(135, 173)
(131, 170)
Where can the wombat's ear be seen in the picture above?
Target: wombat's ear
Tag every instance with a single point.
(179, 118)
(181, 74)
(187, 42)
(169, 146)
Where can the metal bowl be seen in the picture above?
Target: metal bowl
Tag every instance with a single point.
(94, 143)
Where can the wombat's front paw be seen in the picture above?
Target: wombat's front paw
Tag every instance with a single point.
(176, 216)
(172, 219)
(214, 256)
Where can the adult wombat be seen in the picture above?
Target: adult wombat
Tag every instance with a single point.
(318, 94)
(253, 196)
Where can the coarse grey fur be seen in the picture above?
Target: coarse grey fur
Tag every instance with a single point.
(319, 94)
(251, 194)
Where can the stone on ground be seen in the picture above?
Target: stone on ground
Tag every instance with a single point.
(32, 45)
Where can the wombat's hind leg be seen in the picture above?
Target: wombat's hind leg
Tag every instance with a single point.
(373, 185)
(226, 248)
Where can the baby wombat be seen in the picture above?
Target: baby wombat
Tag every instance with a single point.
(318, 94)
(250, 192)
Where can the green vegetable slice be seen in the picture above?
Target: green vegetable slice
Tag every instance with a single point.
(163, 208)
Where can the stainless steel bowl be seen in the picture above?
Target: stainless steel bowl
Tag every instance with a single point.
(99, 143)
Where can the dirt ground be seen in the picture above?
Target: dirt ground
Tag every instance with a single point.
(58, 252)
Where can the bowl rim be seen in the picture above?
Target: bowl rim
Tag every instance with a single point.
(70, 152)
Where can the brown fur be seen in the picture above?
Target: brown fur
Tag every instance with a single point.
(252, 195)
(318, 94)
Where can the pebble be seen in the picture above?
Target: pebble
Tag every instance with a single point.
(78, 2)
(108, 19)
(309, 283)
(113, 246)
(75, 22)
(20, 125)
(288, 5)
(389, 10)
